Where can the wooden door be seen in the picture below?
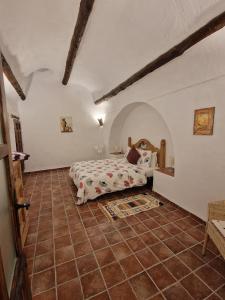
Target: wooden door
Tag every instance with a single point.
(18, 133)
(20, 200)
(13, 261)
(18, 137)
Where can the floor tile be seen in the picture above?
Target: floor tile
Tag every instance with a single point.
(102, 296)
(122, 291)
(221, 292)
(44, 247)
(62, 241)
(105, 256)
(147, 258)
(98, 242)
(121, 250)
(70, 290)
(43, 281)
(82, 248)
(161, 233)
(64, 254)
(161, 251)
(195, 287)
(66, 272)
(136, 244)
(143, 286)
(218, 265)
(176, 267)
(43, 262)
(92, 284)
(174, 245)
(161, 276)
(151, 224)
(112, 274)
(212, 278)
(148, 238)
(190, 259)
(113, 237)
(127, 232)
(86, 264)
(131, 266)
(140, 228)
(177, 292)
(49, 295)
(78, 237)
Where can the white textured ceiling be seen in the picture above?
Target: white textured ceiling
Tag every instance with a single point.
(121, 37)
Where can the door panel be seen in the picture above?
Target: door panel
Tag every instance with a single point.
(22, 212)
(10, 238)
(6, 235)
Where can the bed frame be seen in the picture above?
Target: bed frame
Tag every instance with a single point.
(146, 145)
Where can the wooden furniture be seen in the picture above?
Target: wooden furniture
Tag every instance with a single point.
(19, 190)
(146, 145)
(168, 171)
(116, 155)
(216, 211)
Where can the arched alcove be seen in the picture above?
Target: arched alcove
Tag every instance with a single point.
(140, 120)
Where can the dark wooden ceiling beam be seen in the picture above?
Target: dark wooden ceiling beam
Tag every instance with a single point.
(11, 77)
(212, 26)
(82, 19)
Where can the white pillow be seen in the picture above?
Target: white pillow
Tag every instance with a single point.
(146, 157)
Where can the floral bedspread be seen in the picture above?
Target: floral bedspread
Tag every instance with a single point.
(97, 177)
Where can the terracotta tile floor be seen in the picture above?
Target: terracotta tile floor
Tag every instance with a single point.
(73, 251)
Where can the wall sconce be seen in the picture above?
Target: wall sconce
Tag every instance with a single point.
(100, 121)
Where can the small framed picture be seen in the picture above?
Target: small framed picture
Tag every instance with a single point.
(66, 124)
(204, 121)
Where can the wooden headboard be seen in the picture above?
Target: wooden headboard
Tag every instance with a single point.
(146, 145)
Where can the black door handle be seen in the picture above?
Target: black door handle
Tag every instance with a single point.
(23, 205)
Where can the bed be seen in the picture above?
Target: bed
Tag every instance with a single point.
(98, 177)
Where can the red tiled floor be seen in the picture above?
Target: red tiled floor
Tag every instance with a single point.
(43, 281)
(213, 279)
(113, 274)
(92, 284)
(49, 295)
(143, 286)
(43, 262)
(177, 292)
(147, 258)
(138, 256)
(70, 290)
(66, 272)
(161, 276)
(131, 266)
(105, 256)
(64, 254)
(86, 264)
(195, 287)
(122, 291)
(161, 251)
(121, 250)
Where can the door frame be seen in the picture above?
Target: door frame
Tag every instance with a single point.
(20, 284)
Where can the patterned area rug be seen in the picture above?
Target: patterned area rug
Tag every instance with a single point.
(132, 205)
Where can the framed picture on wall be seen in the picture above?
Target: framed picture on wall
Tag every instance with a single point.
(66, 124)
(204, 121)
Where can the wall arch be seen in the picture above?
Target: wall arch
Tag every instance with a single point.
(140, 120)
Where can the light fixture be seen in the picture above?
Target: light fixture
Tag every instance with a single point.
(100, 121)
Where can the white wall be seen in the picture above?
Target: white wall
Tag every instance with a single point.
(199, 160)
(140, 120)
(12, 103)
(46, 102)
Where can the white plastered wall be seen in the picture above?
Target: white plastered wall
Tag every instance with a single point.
(46, 102)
